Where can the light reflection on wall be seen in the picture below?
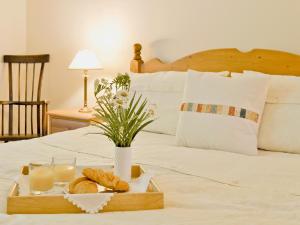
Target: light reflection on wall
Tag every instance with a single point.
(107, 37)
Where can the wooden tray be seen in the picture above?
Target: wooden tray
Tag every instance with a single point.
(54, 204)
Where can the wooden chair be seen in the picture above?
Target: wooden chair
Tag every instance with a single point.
(23, 116)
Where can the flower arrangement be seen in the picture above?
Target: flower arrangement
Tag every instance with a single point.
(122, 117)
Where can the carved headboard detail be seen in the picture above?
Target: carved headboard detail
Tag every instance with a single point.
(229, 59)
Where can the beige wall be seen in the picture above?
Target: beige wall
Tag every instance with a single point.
(167, 28)
(12, 35)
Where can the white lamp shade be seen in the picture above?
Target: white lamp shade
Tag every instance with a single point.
(85, 60)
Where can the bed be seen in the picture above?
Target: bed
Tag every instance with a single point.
(201, 186)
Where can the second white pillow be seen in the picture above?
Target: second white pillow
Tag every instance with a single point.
(222, 113)
(165, 91)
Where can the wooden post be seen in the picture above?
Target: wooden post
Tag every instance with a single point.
(137, 62)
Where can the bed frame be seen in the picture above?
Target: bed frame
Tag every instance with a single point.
(230, 59)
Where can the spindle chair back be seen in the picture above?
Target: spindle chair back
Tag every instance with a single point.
(23, 115)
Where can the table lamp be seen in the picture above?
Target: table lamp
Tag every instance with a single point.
(85, 60)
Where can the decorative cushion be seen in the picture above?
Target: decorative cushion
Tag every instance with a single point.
(280, 126)
(222, 113)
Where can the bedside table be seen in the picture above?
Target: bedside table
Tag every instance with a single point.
(63, 120)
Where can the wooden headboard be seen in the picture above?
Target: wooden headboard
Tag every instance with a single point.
(230, 59)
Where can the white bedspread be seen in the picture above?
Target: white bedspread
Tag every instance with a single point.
(201, 186)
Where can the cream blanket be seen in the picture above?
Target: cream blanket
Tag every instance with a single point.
(201, 186)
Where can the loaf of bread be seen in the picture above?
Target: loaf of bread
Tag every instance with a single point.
(82, 185)
(106, 179)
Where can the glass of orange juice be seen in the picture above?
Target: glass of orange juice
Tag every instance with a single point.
(64, 169)
(41, 178)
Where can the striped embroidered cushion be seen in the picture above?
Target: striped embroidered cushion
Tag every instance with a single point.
(222, 113)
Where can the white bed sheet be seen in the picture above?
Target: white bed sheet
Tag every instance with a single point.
(201, 186)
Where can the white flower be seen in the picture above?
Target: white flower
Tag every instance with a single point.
(109, 96)
(152, 110)
(96, 83)
(118, 103)
(108, 93)
(104, 81)
(122, 94)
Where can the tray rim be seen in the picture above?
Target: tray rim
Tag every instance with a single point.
(154, 193)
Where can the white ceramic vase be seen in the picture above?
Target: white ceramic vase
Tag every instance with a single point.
(122, 163)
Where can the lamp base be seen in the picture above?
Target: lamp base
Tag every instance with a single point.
(85, 109)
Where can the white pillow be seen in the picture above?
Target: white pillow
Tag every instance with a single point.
(222, 113)
(282, 89)
(280, 126)
(165, 90)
